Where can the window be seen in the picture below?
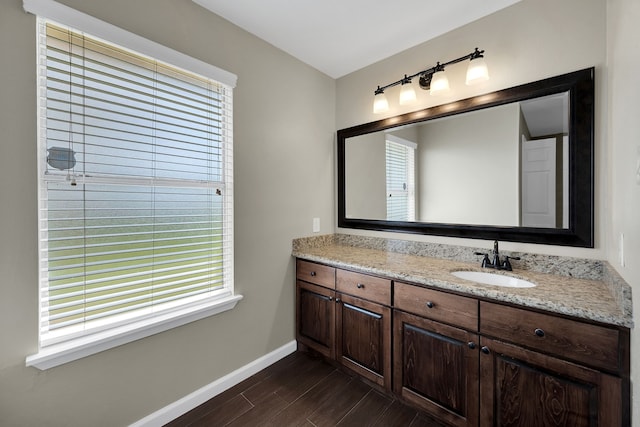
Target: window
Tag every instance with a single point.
(135, 192)
(400, 168)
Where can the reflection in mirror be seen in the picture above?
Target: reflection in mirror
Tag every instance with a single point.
(503, 166)
(516, 165)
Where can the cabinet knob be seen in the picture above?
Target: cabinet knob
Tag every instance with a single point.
(430, 304)
(338, 300)
(539, 332)
(313, 273)
(471, 345)
(330, 298)
(360, 286)
(485, 350)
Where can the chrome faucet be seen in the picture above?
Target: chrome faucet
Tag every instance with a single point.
(496, 263)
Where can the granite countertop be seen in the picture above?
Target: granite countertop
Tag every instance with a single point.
(588, 298)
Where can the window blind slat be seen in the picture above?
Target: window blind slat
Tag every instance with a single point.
(149, 220)
(163, 284)
(71, 284)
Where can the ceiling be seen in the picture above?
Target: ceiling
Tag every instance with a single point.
(338, 37)
(547, 115)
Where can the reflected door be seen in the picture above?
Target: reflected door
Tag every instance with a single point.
(539, 182)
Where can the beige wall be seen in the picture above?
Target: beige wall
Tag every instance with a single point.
(456, 186)
(365, 176)
(623, 216)
(284, 176)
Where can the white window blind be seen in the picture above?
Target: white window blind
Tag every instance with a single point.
(400, 177)
(136, 190)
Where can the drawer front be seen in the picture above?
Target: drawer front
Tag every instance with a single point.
(316, 273)
(364, 286)
(591, 345)
(441, 306)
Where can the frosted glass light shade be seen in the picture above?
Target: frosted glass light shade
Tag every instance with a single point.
(477, 71)
(380, 103)
(407, 94)
(439, 83)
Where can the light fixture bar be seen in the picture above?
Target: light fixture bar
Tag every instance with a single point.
(429, 71)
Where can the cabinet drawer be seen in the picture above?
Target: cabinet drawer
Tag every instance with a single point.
(591, 345)
(316, 273)
(364, 286)
(448, 308)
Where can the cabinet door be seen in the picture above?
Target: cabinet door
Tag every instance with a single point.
(364, 338)
(315, 317)
(520, 387)
(436, 368)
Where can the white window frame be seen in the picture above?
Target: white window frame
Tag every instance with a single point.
(71, 349)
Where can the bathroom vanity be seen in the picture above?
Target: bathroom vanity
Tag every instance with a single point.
(466, 353)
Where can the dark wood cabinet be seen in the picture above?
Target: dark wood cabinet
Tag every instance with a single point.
(435, 346)
(364, 338)
(588, 344)
(466, 361)
(315, 314)
(545, 370)
(520, 387)
(315, 307)
(318, 274)
(351, 324)
(436, 368)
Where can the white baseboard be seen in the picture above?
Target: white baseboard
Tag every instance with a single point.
(198, 397)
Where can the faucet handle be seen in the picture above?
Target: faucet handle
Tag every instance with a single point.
(506, 265)
(486, 262)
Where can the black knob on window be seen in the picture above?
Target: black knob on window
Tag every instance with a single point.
(430, 304)
(471, 345)
(539, 332)
(485, 350)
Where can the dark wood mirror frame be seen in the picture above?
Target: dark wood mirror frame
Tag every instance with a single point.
(580, 233)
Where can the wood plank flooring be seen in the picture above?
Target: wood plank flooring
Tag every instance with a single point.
(303, 390)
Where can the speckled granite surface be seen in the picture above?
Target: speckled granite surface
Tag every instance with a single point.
(577, 287)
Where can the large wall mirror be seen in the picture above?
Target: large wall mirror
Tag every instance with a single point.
(514, 165)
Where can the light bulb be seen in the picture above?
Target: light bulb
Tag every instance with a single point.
(407, 94)
(380, 103)
(439, 83)
(477, 71)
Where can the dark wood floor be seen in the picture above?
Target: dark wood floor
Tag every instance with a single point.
(303, 390)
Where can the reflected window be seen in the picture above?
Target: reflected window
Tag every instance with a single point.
(400, 179)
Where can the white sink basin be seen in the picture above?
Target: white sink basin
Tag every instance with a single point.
(493, 279)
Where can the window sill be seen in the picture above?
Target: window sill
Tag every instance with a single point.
(58, 354)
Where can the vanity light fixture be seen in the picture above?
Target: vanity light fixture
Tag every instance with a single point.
(433, 79)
